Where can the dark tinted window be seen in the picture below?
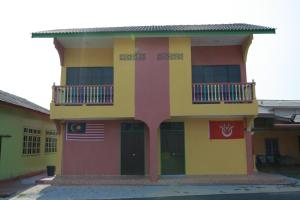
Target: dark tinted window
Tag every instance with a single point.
(89, 75)
(272, 147)
(216, 74)
(172, 126)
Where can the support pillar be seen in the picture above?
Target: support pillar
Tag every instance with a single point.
(153, 173)
(249, 152)
(59, 153)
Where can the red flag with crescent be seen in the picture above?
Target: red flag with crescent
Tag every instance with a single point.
(226, 129)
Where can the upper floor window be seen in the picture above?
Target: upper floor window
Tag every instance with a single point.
(89, 75)
(216, 74)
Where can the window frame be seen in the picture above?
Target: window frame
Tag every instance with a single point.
(215, 75)
(31, 145)
(89, 76)
(50, 141)
(271, 152)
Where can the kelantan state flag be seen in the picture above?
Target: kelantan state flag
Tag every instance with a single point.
(226, 129)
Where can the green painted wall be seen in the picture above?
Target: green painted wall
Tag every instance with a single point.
(12, 162)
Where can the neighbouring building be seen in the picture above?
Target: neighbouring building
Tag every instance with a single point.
(27, 137)
(154, 100)
(276, 137)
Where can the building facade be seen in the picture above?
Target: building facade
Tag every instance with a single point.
(27, 137)
(154, 100)
(276, 138)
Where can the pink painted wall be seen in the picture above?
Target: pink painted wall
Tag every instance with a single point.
(152, 104)
(94, 158)
(218, 55)
(152, 100)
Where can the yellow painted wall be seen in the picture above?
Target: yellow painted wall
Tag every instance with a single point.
(181, 88)
(288, 142)
(180, 76)
(63, 75)
(84, 57)
(124, 81)
(204, 156)
(88, 57)
(124, 77)
(13, 163)
(124, 84)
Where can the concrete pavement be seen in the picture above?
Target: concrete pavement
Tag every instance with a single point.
(48, 192)
(256, 178)
(11, 187)
(256, 196)
(169, 186)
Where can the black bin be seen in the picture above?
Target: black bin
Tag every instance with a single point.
(50, 170)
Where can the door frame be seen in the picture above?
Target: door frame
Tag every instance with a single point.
(184, 150)
(122, 158)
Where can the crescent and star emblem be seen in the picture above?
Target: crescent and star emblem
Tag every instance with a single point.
(226, 130)
(75, 127)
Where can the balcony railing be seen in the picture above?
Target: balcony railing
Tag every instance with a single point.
(223, 92)
(82, 94)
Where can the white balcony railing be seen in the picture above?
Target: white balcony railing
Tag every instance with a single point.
(223, 92)
(82, 94)
(202, 93)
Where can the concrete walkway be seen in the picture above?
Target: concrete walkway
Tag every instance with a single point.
(122, 187)
(256, 179)
(48, 192)
(11, 187)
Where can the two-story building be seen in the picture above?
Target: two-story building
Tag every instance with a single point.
(154, 100)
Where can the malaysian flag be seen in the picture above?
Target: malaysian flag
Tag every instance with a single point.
(85, 131)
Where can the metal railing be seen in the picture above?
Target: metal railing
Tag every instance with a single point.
(223, 92)
(82, 94)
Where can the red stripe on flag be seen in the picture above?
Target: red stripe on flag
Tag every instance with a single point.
(93, 132)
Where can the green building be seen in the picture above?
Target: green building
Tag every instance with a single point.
(27, 137)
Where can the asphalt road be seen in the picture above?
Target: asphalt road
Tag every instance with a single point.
(256, 196)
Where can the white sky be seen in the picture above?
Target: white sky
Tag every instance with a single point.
(29, 67)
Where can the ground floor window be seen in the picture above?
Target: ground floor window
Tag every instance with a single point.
(272, 147)
(50, 142)
(31, 141)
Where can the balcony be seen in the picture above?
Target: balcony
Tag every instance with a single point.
(212, 93)
(82, 95)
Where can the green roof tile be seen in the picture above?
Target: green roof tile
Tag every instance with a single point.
(157, 30)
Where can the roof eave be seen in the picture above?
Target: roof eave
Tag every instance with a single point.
(26, 108)
(144, 34)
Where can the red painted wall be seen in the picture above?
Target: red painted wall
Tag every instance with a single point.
(91, 158)
(152, 104)
(218, 55)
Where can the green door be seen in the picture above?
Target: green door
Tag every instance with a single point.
(132, 149)
(172, 148)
